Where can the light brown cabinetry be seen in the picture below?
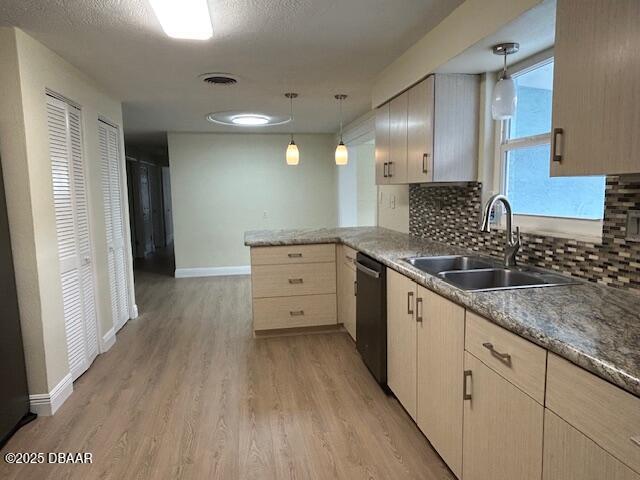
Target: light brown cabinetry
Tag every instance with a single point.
(596, 87)
(346, 271)
(382, 144)
(430, 132)
(440, 346)
(502, 427)
(601, 411)
(293, 286)
(401, 339)
(571, 455)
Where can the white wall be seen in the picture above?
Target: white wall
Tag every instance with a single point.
(27, 69)
(357, 187)
(393, 207)
(225, 184)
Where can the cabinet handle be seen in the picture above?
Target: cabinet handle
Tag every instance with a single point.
(556, 150)
(355, 289)
(425, 165)
(350, 258)
(636, 440)
(419, 309)
(409, 303)
(466, 393)
(296, 313)
(294, 255)
(295, 280)
(389, 169)
(384, 170)
(503, 357)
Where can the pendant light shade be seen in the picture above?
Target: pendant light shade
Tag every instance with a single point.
(342, 154)
(293, 154)
(505, 97)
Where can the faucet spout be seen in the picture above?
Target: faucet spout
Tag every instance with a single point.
(512, 244)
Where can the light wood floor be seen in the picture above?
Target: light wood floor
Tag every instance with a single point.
(186, 392)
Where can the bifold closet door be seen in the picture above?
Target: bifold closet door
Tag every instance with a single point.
(114, 218)
(73, 234)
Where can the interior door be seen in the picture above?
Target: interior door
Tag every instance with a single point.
(146, 215)
(73, 234)
(166, 202)
(110, 158)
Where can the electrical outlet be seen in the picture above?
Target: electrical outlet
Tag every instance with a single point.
(633, 226)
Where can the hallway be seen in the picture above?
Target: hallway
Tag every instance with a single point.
(186, 392)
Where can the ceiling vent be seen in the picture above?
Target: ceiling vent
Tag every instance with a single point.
(220, 79)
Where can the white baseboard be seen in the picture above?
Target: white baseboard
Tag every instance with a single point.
(108, 340)
(212, 271)
(134, 312)
(46, 404)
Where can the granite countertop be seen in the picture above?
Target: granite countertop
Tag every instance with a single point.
(593, 326)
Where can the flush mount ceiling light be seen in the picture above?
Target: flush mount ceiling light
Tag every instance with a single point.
(293, 154)
(184, 19)
(247, 119)
(505, 98)
(342, 155)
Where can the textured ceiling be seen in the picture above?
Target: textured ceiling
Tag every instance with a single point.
(314, 47)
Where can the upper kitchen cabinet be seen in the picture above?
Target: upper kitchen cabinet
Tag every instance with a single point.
(596, 88)
(430, 132)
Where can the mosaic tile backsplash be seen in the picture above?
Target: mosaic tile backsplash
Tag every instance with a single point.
(451, 214)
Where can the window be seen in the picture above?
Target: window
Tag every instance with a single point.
(570, 205)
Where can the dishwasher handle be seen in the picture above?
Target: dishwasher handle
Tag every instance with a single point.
(366, 270)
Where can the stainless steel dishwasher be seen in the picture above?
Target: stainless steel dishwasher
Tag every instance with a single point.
(371, 316)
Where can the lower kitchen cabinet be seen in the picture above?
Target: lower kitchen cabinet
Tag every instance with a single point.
(503, 427)
(401, 339)
(440, 361)
(346, 271)
(570, 455)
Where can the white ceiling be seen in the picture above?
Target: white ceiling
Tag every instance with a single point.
(315, 47)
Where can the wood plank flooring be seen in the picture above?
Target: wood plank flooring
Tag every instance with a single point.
(188, 393)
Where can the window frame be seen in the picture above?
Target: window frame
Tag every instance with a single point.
(556, 226)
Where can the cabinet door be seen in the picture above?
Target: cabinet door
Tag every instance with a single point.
(349, 293)
(382, 144)
(420, 132)
(397, 169)
(570, 455)
(596, 79)
(440, 362)
(502, 428)
(401, 339)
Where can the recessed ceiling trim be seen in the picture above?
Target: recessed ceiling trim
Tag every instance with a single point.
(247, 119)
(219, 79)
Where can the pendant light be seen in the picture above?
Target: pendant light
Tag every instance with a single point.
(293, 155)
(505, 99)
(342, 155)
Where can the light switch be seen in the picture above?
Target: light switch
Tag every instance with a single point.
(633, 225)
(392, 203)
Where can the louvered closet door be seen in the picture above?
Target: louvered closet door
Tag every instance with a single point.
(73, 234)
(112, 195)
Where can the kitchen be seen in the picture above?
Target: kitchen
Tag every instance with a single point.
(424, 268)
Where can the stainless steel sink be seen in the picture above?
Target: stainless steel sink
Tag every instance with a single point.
(502, 279)
(435, 265)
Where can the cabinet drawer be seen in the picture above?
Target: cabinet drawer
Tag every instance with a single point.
(289, 280)
(516, 359)
(603, 412)
(291, 254)
(349, 257)
(292, 312)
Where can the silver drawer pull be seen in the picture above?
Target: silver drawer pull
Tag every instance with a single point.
(409, 303)
(466, 392)
(296, 313)
(294, 255)
(295, 280)
(636, 440)
(503, 357)
(350, 258)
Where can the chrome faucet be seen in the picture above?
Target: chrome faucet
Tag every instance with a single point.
(513, 239)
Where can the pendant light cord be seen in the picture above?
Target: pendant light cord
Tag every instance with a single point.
(291, 114)
(504, 68)
(341, 120)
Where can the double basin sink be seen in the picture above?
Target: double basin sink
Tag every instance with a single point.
(478, 274)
